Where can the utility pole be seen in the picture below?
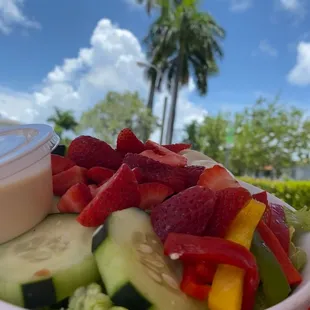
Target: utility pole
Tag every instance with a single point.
(163, 120)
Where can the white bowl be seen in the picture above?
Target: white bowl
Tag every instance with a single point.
(300, 299)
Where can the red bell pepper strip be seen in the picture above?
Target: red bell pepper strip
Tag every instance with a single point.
(279, 227)
(205, 272)
(263, 197)
(192, 249)
(190, 285)
(274, 245)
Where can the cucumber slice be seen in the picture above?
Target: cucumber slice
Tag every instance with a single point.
(46, 264)
(134, 270)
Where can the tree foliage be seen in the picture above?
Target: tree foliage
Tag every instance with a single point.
(184, 42)
(210, 136)
(117, 111)
(63, 121)
(266, 134)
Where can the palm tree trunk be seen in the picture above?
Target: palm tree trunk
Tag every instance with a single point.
(150, 105)
(162, 129)
(174, 100)
(151, 94)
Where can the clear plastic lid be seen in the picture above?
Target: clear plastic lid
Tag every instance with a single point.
(23, 145)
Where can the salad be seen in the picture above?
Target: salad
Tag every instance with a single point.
(137, 227)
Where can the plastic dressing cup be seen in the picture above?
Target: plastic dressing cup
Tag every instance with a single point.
(26, 192)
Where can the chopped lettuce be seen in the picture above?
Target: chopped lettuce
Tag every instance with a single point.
(89, 298)
(299, 219)
(297, 255)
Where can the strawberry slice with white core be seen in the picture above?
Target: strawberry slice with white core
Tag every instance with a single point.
(153, 194)
(64, 180)
(163, 155)
(99, 175)
(93, 189)
(217, 178)
(138, 174)
(177, 147)
(75, 199)
(118, 193)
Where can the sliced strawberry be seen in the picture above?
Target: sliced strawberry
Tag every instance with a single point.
(217, 178)
(90, 152)
(192, 174)
(163, 155)
(154, 171)
(93, 189)
(153, 194)
(262, 197)
(279, 227)
(75, 199)
(229, 202)
(60, 163)
(64, 180)
(187, 212)
(138, 174)
(127, 142)
(118, 193)
(177, 147)
(99, 174)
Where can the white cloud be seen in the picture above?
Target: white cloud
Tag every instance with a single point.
(11, 14)
(109, 63)
(266, 48)
(300, 74)
(296, 8)
(240, 5)
(291, 5)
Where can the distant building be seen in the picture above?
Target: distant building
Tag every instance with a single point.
(295, 173)
(301, 172)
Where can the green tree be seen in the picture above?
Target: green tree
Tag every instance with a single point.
(192, 135)
(149, 4)
(209, 137)
(265, 134)
(63, 121)
(186, 41)
(269, 134)
(117, 111)
(162, 4)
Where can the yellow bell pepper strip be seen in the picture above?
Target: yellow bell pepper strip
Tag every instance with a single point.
(228, 291)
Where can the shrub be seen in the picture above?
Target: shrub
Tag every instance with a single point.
(295, 193)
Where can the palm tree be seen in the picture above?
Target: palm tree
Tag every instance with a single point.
(152, 4)
(187, 41)
(63, 121)
(149, 5)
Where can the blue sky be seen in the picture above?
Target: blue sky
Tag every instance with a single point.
(70, 53)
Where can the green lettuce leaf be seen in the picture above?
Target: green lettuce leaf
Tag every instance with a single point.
(297, 256)
(299, 219)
